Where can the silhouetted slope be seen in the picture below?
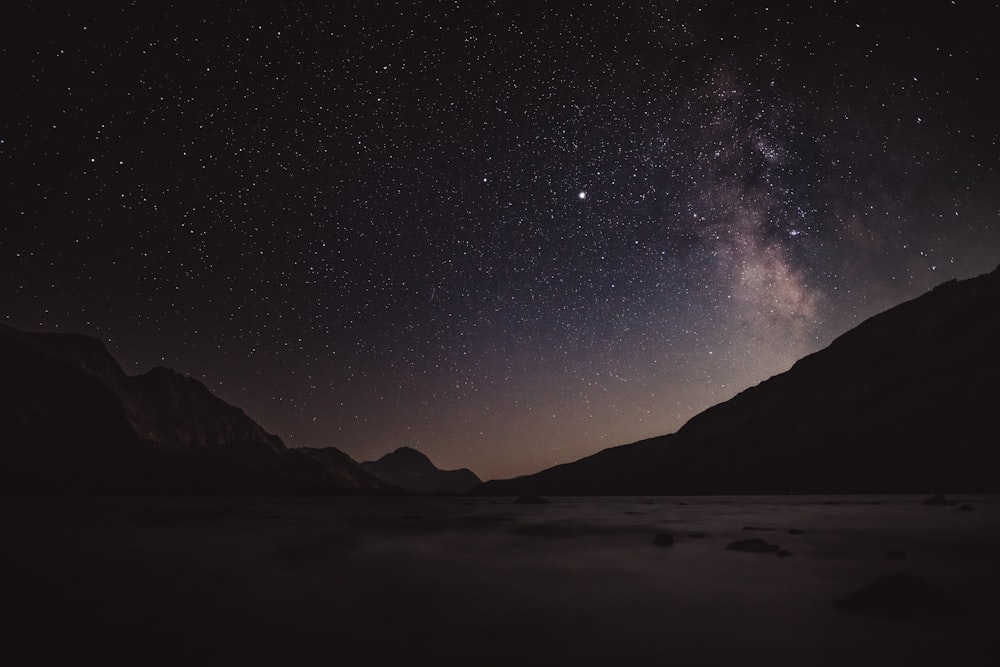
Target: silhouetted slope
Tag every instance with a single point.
(72, 421)
(903, 402)
(61, 429)
(170, 410)
(330, 465)
(410, 469)
(179, 412)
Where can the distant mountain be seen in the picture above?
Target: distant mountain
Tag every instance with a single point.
(905, 402)
(410, 469)
(333, 466)
(71, 420)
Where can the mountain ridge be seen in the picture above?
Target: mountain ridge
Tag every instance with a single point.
(410, 469)
(903, 402)
(871, 412)
(72, 421)
(171, 411)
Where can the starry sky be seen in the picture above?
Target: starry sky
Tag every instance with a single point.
(509, 234)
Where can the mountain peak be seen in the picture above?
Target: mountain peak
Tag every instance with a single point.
(411, 469)
(408, 454)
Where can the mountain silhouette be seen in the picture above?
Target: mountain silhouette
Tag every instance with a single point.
(72, 421)
(169, 410)
(904, 402)
(410, 469)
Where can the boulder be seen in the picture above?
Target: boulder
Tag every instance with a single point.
(754, 546)
(531, 500)
(663, 540)
(899, 594)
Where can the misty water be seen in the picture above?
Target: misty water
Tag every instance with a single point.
(487, 581)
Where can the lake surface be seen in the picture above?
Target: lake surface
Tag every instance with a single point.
(484, 581)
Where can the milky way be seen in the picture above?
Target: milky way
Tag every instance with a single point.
(508, 234)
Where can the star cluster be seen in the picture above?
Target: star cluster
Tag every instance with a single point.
(508, 234)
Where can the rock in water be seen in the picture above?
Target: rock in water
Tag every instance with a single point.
(898, 594)
(754, 546)
(531, 500)
(936, 499)
(966, 508)
(664, 540)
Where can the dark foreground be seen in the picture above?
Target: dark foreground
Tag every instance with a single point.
(488, 582)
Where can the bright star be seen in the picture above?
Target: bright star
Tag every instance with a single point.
(583, 195)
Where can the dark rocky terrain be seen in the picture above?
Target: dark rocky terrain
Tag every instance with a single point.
(72, 421)
(903, 402)
(411, 470)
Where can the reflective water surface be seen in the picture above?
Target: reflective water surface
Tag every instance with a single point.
(487, 581)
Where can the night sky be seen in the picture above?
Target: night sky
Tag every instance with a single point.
(509, 234)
